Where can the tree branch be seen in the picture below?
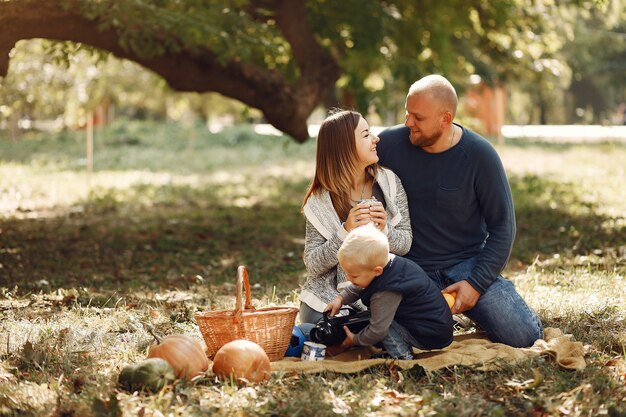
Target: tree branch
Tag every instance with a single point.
(285, 105)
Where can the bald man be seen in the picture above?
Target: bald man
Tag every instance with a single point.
(461, 209)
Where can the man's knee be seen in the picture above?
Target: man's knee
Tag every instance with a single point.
(522, 337)
(506, 317)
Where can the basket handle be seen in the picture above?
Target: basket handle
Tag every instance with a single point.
(242, 282)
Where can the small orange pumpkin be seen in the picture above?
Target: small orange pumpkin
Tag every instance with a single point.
(184, 353)
(450, 298)
(243, 361)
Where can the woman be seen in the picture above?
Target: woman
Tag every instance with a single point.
(346, 172)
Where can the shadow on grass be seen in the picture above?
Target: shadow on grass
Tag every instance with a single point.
(167, 236)
(553, 219)
(160, 236)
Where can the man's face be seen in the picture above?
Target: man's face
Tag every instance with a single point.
(424, 118)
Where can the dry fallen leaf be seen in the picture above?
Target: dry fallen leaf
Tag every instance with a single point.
(529, 383)
(6, 376)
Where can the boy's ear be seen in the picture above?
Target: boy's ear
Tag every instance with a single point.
(378, 270)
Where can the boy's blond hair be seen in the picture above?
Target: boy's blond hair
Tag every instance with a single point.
(366, 246)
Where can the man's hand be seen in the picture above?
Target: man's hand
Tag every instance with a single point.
(466, 296)
(334, 306)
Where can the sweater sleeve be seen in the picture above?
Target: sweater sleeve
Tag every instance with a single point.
(496, 202)
(383, 306)
(400, 235)
(350, 294)
(320, 255)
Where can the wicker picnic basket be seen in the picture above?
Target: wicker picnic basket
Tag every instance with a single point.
(269, 327)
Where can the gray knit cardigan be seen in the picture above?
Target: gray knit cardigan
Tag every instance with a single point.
(325, 234)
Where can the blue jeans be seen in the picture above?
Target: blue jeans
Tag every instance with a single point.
(399, 343)
(500, 311)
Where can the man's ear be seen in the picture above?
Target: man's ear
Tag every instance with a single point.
(446, 117)
(378, 270)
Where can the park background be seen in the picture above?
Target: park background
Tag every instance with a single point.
(130, 193)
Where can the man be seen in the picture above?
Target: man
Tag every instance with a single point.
(461, 210)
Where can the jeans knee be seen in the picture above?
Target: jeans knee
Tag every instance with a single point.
(535, 334)
(523, 337)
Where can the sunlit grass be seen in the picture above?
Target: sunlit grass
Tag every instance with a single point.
(170, 213)
(39, 176)
(596, 173)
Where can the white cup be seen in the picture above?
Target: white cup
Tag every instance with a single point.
(312, 351)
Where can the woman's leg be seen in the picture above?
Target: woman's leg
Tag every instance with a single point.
(308, 315)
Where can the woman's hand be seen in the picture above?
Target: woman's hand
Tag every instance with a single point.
(378, 215)
(358, 216)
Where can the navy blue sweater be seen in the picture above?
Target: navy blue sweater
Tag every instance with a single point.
(423, 311)
(459, 201)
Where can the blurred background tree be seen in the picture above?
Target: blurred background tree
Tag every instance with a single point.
(581, 78)
(596, 55)
(560, 62)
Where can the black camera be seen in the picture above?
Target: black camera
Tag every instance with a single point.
(329, 330)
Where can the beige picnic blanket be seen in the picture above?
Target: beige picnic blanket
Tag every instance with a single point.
(468, 349)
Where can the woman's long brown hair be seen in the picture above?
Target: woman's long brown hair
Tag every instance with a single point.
(336, 161)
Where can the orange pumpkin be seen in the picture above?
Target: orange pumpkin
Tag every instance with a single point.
(184, 353)
(243, 361)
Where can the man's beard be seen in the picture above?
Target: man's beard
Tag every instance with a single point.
(424, 141)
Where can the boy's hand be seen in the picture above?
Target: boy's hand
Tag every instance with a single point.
(345, 345)
(349, 340)
(334, 306)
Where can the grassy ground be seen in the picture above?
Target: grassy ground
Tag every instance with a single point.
(173, 211)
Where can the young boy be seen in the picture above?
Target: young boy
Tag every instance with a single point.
(407, 309)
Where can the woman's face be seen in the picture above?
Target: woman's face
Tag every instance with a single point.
(365, 143)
